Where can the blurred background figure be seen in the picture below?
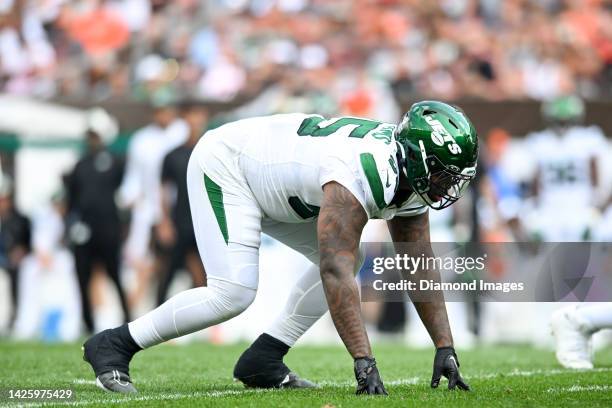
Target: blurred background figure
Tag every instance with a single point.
(141, 187)
(14, 241)
(175, 229)
(500, 204)
(566, 178)
(94, 224)
(27, 56)
(49, 301)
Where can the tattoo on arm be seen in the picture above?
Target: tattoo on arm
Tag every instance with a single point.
(339, 227)
(415, 230)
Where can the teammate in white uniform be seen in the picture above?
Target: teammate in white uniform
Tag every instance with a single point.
(567, 183)
(573, 326)
(566, 180)
(312, 184)
(141, 189)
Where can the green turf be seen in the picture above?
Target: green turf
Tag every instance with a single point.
(200, 375)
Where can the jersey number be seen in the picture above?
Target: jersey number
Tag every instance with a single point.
(310, 126)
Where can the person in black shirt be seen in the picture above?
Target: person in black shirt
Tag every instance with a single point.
(14, 239)
(94, 225)
(175, 229)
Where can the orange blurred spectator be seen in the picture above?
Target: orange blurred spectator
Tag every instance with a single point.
(98, 31)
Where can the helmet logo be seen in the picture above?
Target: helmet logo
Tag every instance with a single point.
(440, 135)
(454, 168)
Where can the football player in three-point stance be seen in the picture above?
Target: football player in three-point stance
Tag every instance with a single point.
(312, 184)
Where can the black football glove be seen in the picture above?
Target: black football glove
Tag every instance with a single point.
(446, 364)
(368, 379)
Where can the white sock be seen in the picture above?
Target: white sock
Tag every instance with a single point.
(190, 311)
(597, 316)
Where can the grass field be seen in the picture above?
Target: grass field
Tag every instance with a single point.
(200, 375)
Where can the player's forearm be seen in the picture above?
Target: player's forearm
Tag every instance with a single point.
(343, 300)
(434, 318)
(339, 227)
(433, 315)
(430, 304)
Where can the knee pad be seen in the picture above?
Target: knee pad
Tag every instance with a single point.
(230, 298)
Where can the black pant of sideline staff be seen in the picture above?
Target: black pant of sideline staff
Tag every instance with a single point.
(13, 274)
(104, 250)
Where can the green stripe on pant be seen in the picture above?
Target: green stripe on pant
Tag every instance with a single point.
(215, 195)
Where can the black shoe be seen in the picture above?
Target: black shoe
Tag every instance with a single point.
(292, 380)
(109, 353)
(261, 366)
(115, 381)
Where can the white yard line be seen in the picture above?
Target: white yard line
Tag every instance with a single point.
(127, 400)
(476, 376)
(581, 388)
(83, 381)
(344, 384)
(339, 384)
(530, 373)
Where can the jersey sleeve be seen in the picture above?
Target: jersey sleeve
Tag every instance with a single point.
(336, 168)
(379, 171)
(594, 140)
(379, 179)
(370, 174)
(412, 211)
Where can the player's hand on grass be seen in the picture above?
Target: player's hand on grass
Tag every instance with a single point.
(446, 364)
(368, 379)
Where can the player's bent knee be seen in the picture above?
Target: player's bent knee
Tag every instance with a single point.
(231, 298)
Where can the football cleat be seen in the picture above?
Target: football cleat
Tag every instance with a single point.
(261, 366)
(272, 376)
(292, 380)
(572, 339)
(110, 360)
(115, 381)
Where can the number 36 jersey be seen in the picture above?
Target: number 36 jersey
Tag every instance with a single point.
(285, 160)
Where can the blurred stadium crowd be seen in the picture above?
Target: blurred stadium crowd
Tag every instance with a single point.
(126, 216)
(219, 49)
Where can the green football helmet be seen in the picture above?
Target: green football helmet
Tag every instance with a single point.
(564, 110)
(439, 150)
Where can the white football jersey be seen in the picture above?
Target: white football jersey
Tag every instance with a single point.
(141, 182)
(563, 162)
(286, 159)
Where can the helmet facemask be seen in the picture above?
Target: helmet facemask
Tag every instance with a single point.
(438, 185)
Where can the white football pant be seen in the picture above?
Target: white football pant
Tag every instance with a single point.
(228, 224)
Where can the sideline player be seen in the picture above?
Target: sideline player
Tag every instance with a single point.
(312, 184)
